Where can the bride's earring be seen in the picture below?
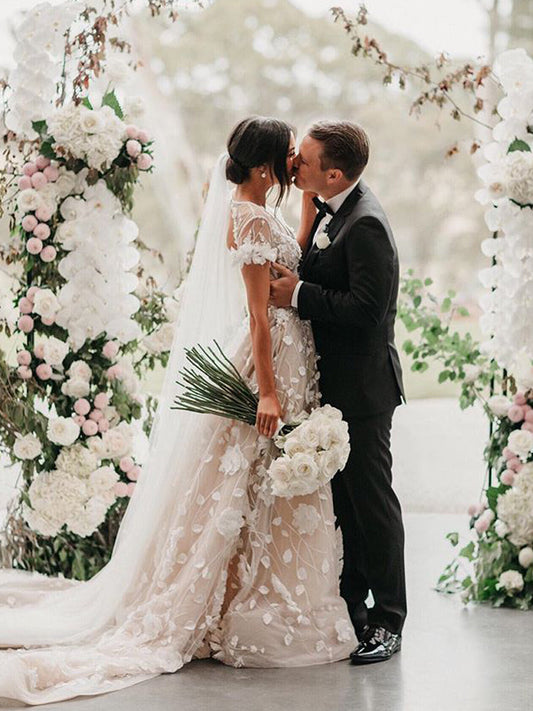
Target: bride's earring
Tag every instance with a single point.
(263, 174)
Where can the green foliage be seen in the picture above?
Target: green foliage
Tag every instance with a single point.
(519, 145)
(111, 100)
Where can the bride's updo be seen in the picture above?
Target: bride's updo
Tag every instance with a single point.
(258, 140)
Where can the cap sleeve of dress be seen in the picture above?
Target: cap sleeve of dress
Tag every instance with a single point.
(252, 234)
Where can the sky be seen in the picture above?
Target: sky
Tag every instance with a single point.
(455, 26)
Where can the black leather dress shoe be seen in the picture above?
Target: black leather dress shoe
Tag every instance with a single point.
(377, 645)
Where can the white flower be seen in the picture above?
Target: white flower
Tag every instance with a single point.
(305, 519)
(134, 107)
(73, 208)
(118, 441)
(76, 387)
(522, 370)
(54, 351)
(80, 370)
(92, 121)
(229, 523)
(520, 442)
(322, 240)
(309, 434)
(515, 508)
(66, 183)
(472, 372)
(27, 447)
(525, 557)
(44, 524)
(512, 581)
(501, 528)
(45, 303)
(519, 176)
(77, 460)
(103, 479)
(499, 405)
(345, 632)
(62, 430)
(232, 461)
(117, 71)
(97, 447)
(293, 445)
(303, 466)
(28, 200)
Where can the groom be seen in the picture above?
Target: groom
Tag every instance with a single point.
(348, 289)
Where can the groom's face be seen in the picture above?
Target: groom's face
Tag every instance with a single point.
(308, 173)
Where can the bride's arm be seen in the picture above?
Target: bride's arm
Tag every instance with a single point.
(257, 280)
(307, 218)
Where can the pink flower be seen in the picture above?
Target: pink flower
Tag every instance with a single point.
(133, 148)
(24, 182)
(44, 371)
(42, 162)
(515, 413)
(24, 372)
(38, 180)
(42, 231)
(79, 420)
(101, 400)
(89, 428)
(131, 489)
(134, 473)
(43, 213)
(508, 477)
(96, 415)
(121, 488)
(24, 357)
(132, 131)
(31, 292)
(48, 321)
(144, 161)
(29, 169)
(34, 245)
(49, 253)
(110, 349)
(474, 510)
(51, 173)
(38, 351)
(25, 305)
(481, 525)
(126, 464)
(82, 406)
(103, 425)
(527, 426)
(529, 415)
(113, 372)
(519, 399)
(515, 464)
(29, 223)
(25, 323)
(143, 136)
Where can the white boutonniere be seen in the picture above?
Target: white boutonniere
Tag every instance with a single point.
(322, 240)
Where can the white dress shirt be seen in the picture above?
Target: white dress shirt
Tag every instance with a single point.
(334, 203)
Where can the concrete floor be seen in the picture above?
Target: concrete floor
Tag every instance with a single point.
(453, 659)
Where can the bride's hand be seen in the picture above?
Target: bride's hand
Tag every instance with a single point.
(268, 415)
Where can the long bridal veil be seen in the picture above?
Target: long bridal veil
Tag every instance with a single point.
(37, 610)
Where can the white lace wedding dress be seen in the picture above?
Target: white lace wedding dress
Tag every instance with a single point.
(231, 572)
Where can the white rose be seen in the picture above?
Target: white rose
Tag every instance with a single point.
(73, 208)
(80, 370)
(309, 434)
(103, 479)
(54, 351)
(332, 413)
(519, 176)
(303, 466)
(75, 387)
(499, 405)
(229, 523)
(62, 430)
(45, 303)
(520, 442)
(117, 442)
(92, 121)
(472, 372)
(512, 581)
(525, 557)
(27, 447)
(322, 240)
(293, 446)
(328, 463)
(29, 200)
(97, 447)
(66, 183)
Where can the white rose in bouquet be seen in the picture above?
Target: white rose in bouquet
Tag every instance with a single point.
(97, 447)
(27, 447)
(102, 480)
(281, 474)
(66, 183)
(511, 581)
(62, 430)
(293, 444)
(92, 121)
(520, 442)
(54, 351)
(76, 387)
(519, 176)
(309, 434)
(328, 462)
(45, 303)
(28, 200)
(80, 371)
(499, 405)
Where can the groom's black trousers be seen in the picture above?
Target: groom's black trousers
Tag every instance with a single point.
(370, 517)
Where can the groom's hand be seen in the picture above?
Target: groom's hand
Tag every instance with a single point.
(281, 289)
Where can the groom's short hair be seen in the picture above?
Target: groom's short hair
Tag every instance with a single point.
(345, 146)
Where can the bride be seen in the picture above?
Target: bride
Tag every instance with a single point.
(207, 562)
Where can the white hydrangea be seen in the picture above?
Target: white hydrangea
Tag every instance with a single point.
(77, 460)
(511, 581)
(515, 508)
(27, 447)
(520, 442)
(519, 176)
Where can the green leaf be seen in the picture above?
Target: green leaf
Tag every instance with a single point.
(453, 537)
(443, 376)
(111, 100)
(446, 304)
(462, 311)
(518, 145)
(428, 281)
(40, 127)
(468, 551)
(46, 150)
(417, 301)
(87, 103)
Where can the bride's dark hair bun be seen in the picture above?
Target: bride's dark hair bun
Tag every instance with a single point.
(259, 140)
(236, 172)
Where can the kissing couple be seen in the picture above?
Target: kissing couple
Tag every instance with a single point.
(208, 562)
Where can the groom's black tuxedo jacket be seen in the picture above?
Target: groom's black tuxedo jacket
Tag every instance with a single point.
(349, 294)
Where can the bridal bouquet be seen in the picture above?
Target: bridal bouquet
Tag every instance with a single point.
(313, 448)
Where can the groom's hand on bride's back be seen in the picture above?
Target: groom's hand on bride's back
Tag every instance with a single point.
(281, 289)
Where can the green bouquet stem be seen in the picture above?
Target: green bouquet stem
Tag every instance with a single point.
(212, 385)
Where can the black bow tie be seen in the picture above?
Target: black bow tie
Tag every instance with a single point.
(322, 206)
